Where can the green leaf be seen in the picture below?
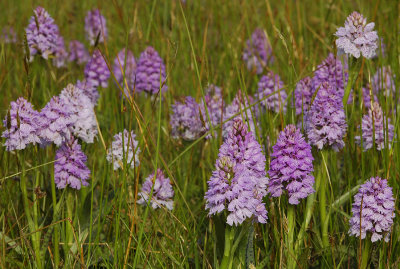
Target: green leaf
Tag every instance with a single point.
(250, 249)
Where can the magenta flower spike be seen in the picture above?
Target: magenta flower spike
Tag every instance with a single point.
(96, 70)
(374, 207)
(42, 34)
(185, 120)
(291, 166)
(163, 193)
(238, 184)
(332, 71)
(271, 92)
(95, 26)
(125, 67)
(215, 104)
(70, 166)
(239, 106)
(257, 53)
(124, 146)
(22, 124)
(375, 120)
(85, 125)
(57, 120)
(78, 53)
(357, 37)
(325, 121)
(303, 95)
(150, 73)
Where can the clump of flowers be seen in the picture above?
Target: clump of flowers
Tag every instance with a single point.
(367, 97)
(42, 34)
(374, 207)
(214, 102)
(185, 120)
(357, 37)
(326, 122)
(240, 106)
(332, 71)
(303, 95)
(61, 53)
(125, 67)
(95, 26)
(89, 90)
(150, 73)
(56, 121)
(85, 125)
(271, 92)
(8, 35)
(291, 166)
(239, 181)
(124, 147)
(77, 52)
(383, 80)
(163, 193)
(374, 125)
(257, 52)
(96, 70)
(70, 166)
(22, 125)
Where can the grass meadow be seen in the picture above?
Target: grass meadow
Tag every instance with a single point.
(201, 43)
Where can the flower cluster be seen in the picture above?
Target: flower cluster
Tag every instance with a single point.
(326, 122)
(240, 108)
(185, 120)
(239, 181)
(357, 37)
(89, 90)
(303, 95)
(85, 125)
(150, 73)
(96, 70)
(214, 102)
(22, 124)
(95, 26)
(125, 68)
(42, 34)
(61, 54)
(162, 194)
(257, 52)
(77, 52)
(291, 166)
(70, 166)
(56, 119)
(8, 35)
(374, 126)
(383, 80)
(124, 148)
(331, 71)
(367, 97)
(271, 92)
(374, 207)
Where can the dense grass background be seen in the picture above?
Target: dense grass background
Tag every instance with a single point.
(201, 43)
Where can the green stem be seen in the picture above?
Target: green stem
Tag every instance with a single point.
(69, 229)
(365, 253)
(291, 255)
(307, 219)
(56, 234)
(35, 243)
(322, 207)
(35, 211)
(229, 235)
